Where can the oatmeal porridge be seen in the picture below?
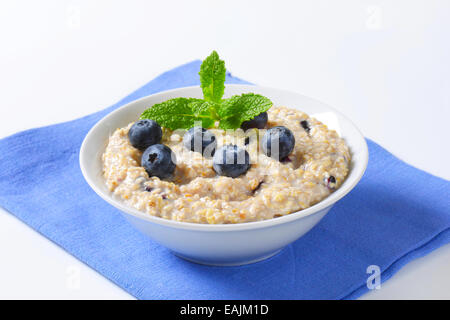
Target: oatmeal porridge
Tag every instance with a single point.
(195, 192)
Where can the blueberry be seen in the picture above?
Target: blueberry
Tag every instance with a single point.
(144, 133)
(159, 161)
(330, 182)
(259, 122)
(305, 125)
(280, 136)
(231, 161)
(199, 139)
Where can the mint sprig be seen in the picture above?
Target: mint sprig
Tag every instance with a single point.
(182, 113)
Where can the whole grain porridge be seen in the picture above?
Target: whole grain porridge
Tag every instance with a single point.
(317, 165)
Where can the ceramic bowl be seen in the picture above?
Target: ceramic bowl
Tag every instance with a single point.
(228, 244)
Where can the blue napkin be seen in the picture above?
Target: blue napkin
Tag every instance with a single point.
(395, 214)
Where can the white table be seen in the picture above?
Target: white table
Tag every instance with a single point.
(383, 64)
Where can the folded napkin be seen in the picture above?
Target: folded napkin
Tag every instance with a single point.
(395, 214)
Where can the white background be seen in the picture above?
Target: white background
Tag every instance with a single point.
(385, 64)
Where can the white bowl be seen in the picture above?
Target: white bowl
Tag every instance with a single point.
(228, 244)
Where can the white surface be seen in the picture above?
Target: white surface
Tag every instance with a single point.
(221, 244)
(384, 64)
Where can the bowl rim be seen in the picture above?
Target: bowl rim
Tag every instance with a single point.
(323, 204)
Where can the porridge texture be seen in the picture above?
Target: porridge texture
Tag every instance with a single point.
(316, 167)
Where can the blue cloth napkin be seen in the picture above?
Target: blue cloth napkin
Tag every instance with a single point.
(395, 214)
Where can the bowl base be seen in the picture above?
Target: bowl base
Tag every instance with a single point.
(227, 264)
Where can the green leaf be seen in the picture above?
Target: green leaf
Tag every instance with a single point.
(212, 77)
(237, 109)
(180, 113)
(230, 123)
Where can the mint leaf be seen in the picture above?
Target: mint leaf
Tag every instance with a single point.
(230, 123)
(180, 113)
(237, 109)
(212, 77)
